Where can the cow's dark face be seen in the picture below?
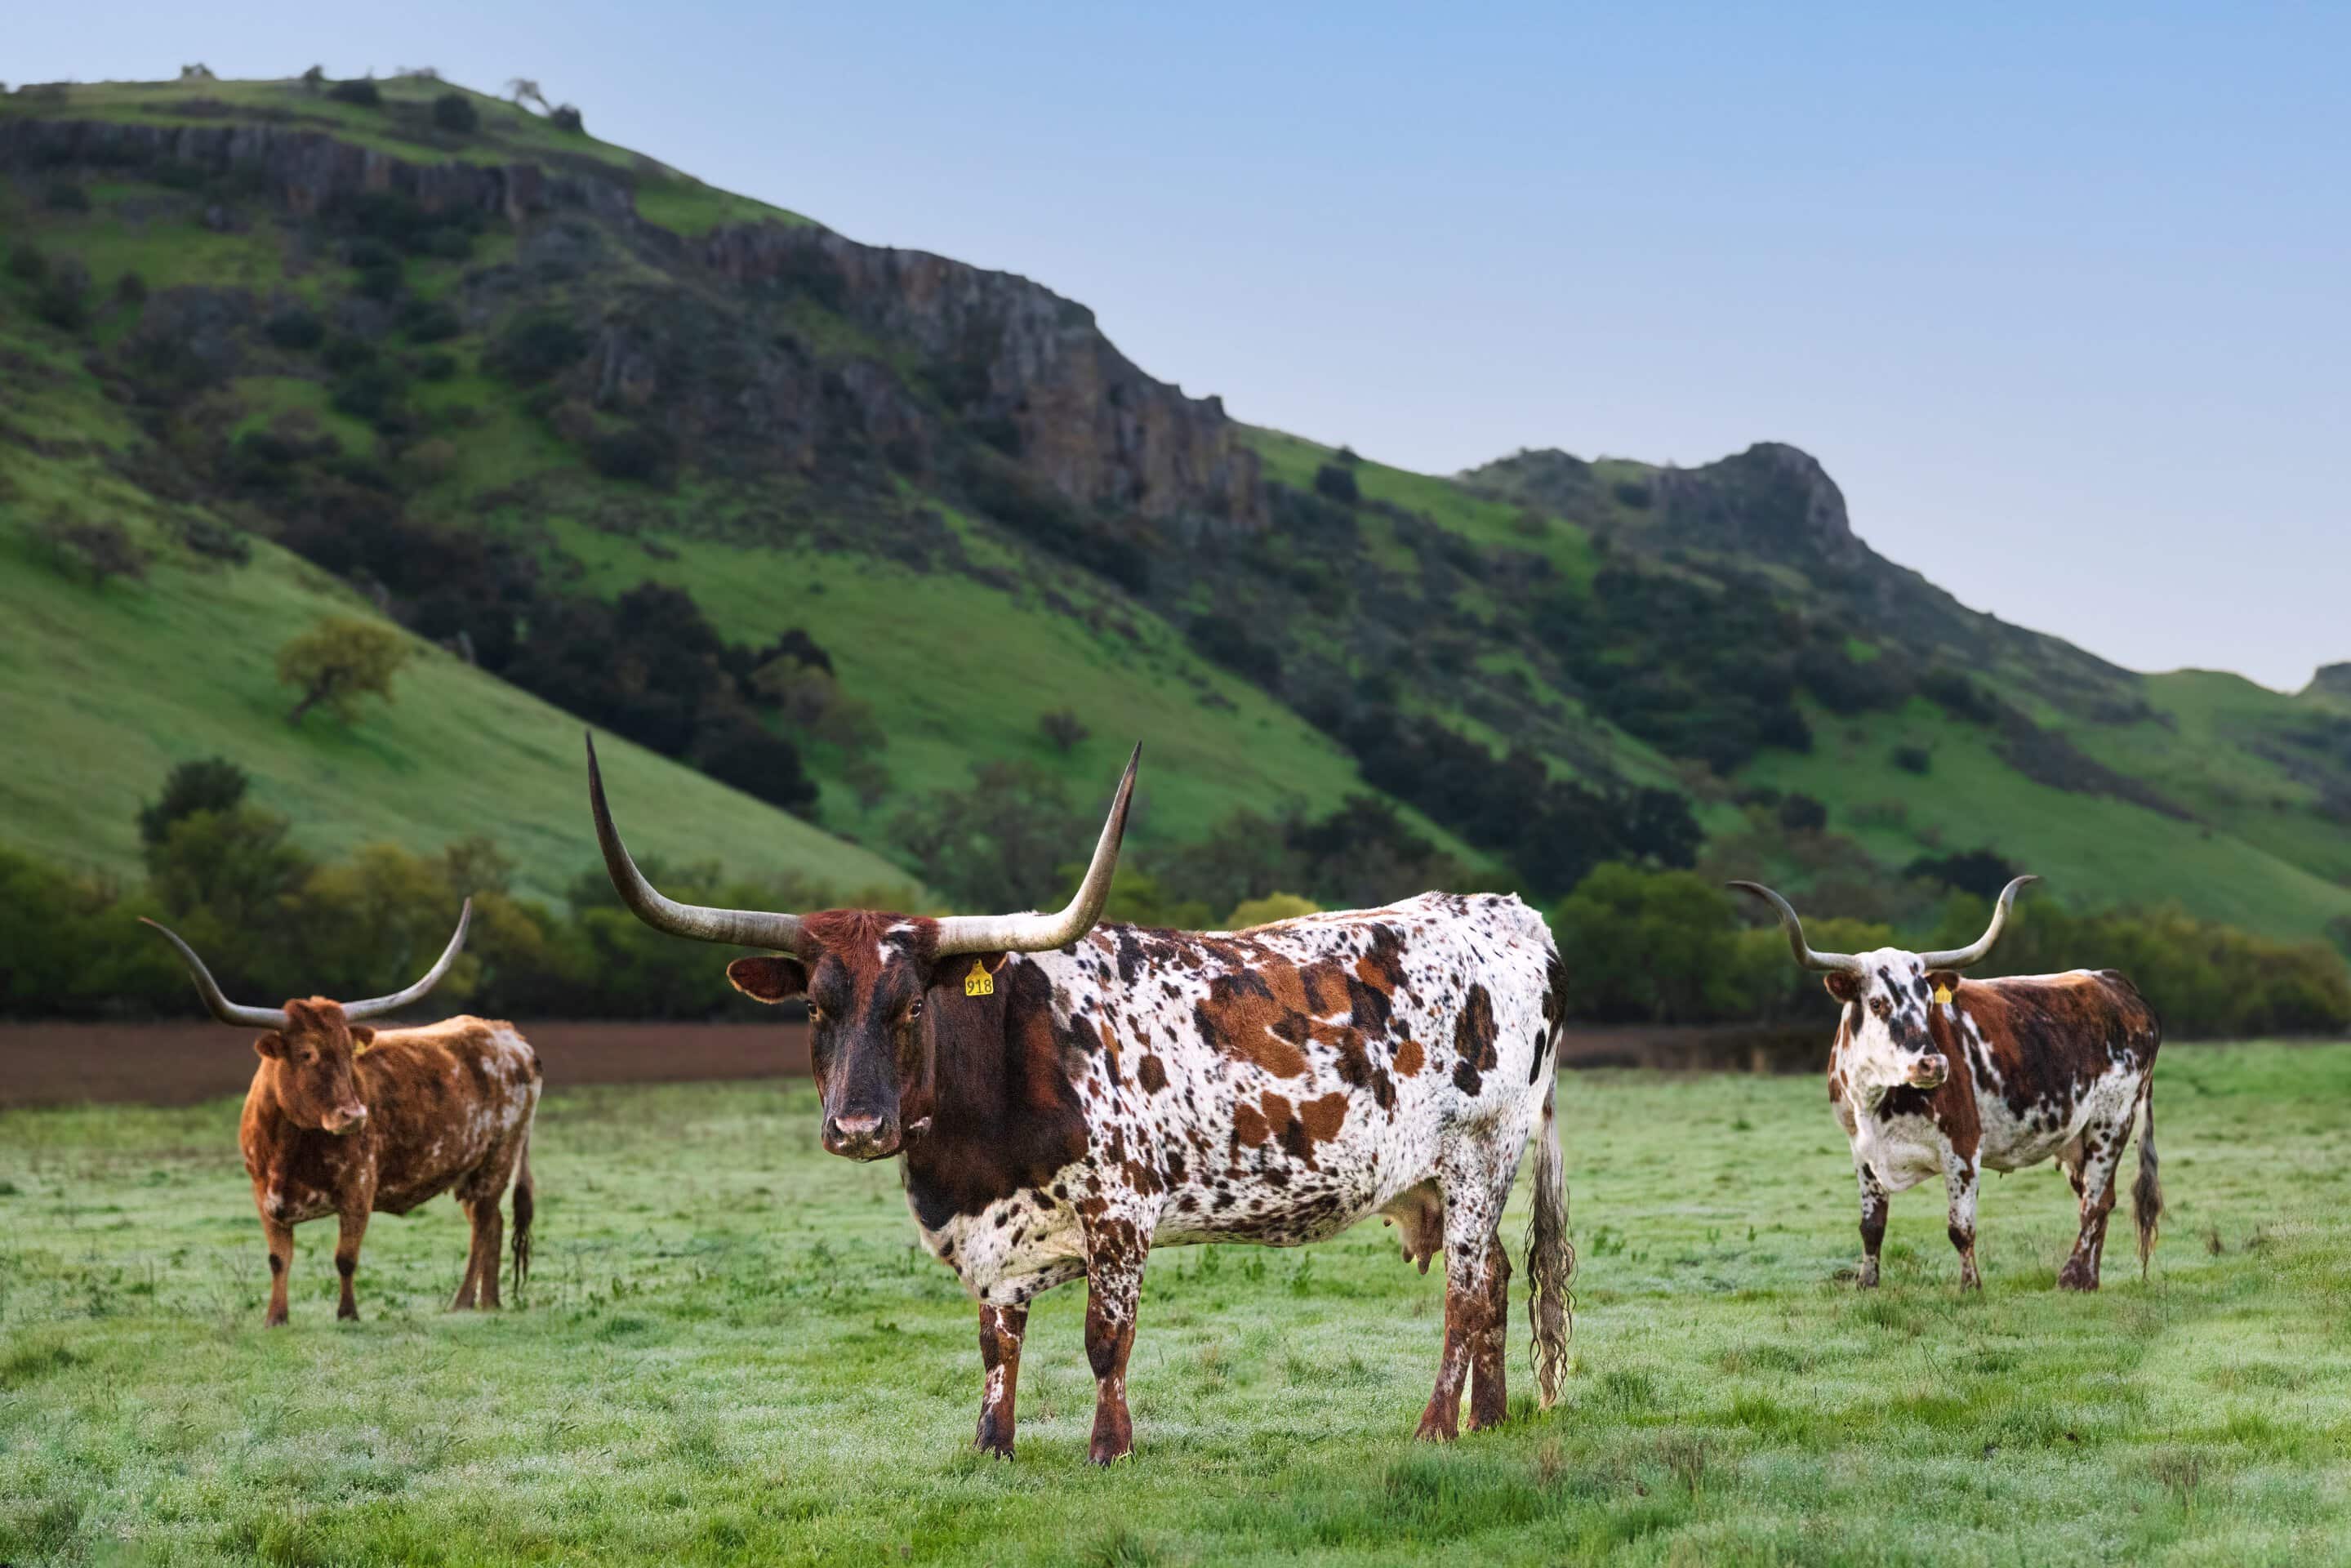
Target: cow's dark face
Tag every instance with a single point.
(1889, 1041)
(313, 1059)
(865, 976)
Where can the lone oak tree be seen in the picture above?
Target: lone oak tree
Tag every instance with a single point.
(339, 661)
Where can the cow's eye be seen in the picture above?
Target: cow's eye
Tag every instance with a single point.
(914, 1010)
(816, 1013)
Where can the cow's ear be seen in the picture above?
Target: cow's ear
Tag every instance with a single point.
(362, 1036)
(270, 1046)
(1844, 985)
(768, 978)
(1943, 983)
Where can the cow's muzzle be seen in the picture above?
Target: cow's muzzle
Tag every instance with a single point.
(1928, 1072)
(861, 1137)
(348, 1120)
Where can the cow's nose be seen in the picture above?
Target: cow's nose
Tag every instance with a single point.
(860, 1138)
(348, 1117)
(1929, 1073)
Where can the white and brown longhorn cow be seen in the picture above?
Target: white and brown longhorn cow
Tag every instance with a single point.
(348, 1121)
(1065, 1097)
(1932, 1075)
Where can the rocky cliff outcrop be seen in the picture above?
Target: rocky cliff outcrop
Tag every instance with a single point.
(1015, 356)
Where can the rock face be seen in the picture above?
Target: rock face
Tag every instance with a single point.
(1008, 357)
(2331, 681)
(1772, 500)
(303, 169)
(1015, 355)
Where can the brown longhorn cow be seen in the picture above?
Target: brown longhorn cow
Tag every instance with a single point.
(1066, 1096)
(347, 1120)
(1933, 1075)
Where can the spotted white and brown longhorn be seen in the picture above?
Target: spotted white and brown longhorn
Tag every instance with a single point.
(1933, 1073)
(347, 1120)
(1110, 1089)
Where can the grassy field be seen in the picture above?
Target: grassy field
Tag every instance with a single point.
(732, 1352)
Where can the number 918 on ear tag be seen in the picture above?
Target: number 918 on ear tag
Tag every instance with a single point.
(979, 982)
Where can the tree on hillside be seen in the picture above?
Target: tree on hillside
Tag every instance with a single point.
(523, 90)
(314, 81)
(565, 117)
(339, 660)
(453, 112)
(207, 784)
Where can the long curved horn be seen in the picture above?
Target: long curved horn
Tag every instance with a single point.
(375, 1007)
(1961, 957)
(740, 927)
(1043, 933)
(1803, 950)
(227, 1011)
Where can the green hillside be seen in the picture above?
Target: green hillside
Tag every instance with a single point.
(103, 688)
(497, 378)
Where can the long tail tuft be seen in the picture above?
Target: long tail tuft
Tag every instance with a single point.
(2147, 1193)
(524, 1205)
(1551, 1260)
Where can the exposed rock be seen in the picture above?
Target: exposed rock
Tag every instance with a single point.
(1008, 351)
(2331, 681)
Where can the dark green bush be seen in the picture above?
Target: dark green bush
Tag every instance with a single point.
(1913, 759)
(360, 92)
(1337, 483)
(294, 328)
(68, 196)
(455, 113)
(533, 346)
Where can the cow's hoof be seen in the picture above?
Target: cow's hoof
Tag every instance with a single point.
(2069, 1278)
(347, 1314)
(1434, 1428)
(274, 1321)
(1107, 1452)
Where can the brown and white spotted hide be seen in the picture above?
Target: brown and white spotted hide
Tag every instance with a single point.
(2005, 1074)
(345, 1120)
(1061, 1113)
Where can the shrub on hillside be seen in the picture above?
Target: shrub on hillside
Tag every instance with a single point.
(1063, 729)
(294, 328)
(1336, 483)
(130, 289)
(67, 196)
(1979, 871)
(533, 346)
(27, 262)
(1265, 910)
(455, 113)
(641, 453)
(63, 297)
(362, 93)
(99, 550)
(565, 117)
(206, 784)
(1913, 759)
(1803, 814)
(999, 844)
(429, 321)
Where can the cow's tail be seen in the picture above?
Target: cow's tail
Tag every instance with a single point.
(2147, 1193)
(525, 1204)
(1550, 1259)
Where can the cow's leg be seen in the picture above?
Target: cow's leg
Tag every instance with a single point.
(1472, 1212)
(480, 1286)
(1000, 1330)
(1488, 1401)
(347, 1258)
(280, 1237)
(1873, 1221)
(2093, 1180)
(1959, 1176)
(1113, 1290)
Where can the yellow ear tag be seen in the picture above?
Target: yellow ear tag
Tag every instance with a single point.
(979, 982)
(1942, 995)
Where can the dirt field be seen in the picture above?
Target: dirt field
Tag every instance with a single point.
(179, 1064)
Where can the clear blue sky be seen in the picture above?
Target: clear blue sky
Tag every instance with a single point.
(2064, 306)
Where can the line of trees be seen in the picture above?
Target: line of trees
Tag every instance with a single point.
(1641, 945)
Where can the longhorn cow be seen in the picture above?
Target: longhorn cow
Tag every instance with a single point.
(1065, 1096)
(1934, 1074)
(347, 1120)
